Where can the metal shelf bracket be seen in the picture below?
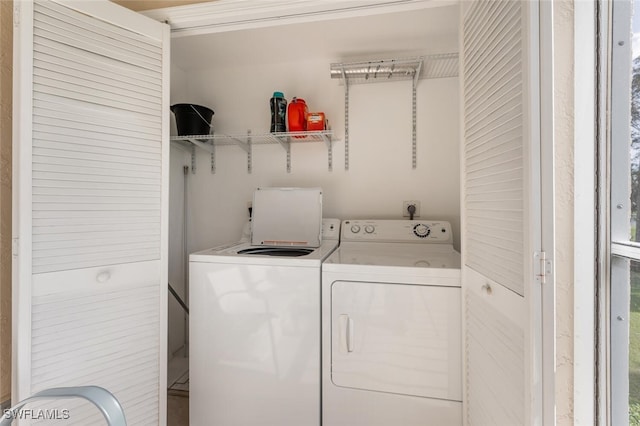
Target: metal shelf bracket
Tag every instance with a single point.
(285, 143)
(327, 142)
(414, 121)
(206, 145)
(346, 119)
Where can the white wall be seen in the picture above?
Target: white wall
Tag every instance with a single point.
(177, 251)
(380, 176)
(564, 80)
(177, 257)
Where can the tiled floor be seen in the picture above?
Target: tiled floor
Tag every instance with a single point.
(178, 393)
(177, 410)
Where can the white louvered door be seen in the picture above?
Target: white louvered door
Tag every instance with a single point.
(501, 210)
(90, 224)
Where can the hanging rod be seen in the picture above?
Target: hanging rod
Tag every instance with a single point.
(432, 66)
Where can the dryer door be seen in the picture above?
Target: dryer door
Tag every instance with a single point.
(396, 338)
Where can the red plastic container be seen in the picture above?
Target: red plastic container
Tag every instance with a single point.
(297, 115)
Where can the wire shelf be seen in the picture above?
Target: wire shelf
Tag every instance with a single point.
(247, 140)
(259, 138)
(430, 66)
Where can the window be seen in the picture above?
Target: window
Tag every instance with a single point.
(624, 283)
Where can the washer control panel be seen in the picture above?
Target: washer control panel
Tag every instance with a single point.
(416, 231)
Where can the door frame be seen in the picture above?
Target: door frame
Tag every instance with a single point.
(545, 308)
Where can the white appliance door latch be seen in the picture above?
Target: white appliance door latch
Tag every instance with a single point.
(346, 333)
(542, 267)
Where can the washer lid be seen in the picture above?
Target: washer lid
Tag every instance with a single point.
(286, 217)
(231, 254)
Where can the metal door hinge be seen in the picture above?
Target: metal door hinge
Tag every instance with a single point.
(542, 267)
(15, 246)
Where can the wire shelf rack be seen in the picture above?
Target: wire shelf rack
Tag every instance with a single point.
(247, 140)
(422, 67)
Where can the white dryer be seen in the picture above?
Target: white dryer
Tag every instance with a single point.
(391, 326)
(255, 317)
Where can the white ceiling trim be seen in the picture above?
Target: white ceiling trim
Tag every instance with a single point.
(230, 15)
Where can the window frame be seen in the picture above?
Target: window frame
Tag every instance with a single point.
(619, 251)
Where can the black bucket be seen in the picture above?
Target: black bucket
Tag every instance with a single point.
(192, 119)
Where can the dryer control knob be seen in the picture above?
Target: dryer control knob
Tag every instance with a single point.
(421, 230)
(369, 229)
(355, 229)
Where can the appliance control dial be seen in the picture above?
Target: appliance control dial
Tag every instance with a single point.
(369, 229)
(421, 230)
(355, 229)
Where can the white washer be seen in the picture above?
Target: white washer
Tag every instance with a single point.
(255, 334)
(391, 326)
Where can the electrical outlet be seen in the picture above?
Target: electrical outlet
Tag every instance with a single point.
(405, 206)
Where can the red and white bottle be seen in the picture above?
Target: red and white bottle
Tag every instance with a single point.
(297, 115)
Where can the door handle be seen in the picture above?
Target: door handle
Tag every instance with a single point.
(346, 328)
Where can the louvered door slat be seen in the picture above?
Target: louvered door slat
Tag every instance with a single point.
(505, 106)
(98, 149)
(494, 133)
(482, 33)
(507, 224)
(57, 172)
(502, 137)
(73, 31)
(50, 151)
(96, 94)
(52, 68)
(75, 19)
(494, 143)
(67, 77)
(57, 122)
(48, 54)
(105, 242)
(102, 167)
(497, 218)
(495, 98)
(68, 114)
(45, 184)
(498, 47)
(84, 325)
(143, 118)
(496, 182)
(43, 133)
(123, 149)
(80, 79)
(494, 348)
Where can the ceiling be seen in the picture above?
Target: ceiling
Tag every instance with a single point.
(400, 34)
